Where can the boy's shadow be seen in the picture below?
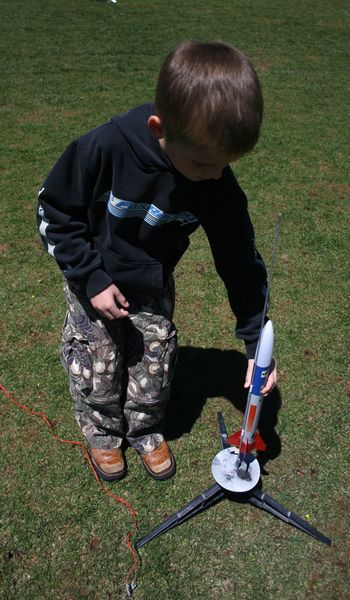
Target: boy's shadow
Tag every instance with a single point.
(204, 373)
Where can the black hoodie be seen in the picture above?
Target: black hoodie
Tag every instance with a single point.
(115, 210)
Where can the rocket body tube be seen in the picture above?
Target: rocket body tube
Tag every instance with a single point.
(262, 363)
(263, 358)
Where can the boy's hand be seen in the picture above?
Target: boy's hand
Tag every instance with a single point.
(111, 303)
(271, 380)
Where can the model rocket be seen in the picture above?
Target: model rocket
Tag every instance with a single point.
(248, 438)
(235, 468)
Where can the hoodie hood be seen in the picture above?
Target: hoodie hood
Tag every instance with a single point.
(146, 148)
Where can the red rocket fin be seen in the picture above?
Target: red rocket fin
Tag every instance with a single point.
(259, 442)
(235, 440)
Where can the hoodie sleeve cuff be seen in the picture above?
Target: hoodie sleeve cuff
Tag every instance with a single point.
(97, 282)
(250, 348)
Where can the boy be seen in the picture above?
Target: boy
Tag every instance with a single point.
(116, 212)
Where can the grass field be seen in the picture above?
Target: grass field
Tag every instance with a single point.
(68, 66)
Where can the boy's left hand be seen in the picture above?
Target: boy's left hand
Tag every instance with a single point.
(271, 380)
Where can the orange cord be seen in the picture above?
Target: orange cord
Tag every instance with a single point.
(44, 417)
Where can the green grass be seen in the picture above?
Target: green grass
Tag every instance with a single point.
(68, 66)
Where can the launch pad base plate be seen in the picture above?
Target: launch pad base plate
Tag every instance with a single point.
(228, 476)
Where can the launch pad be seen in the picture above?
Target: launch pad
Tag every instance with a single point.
(229, 484)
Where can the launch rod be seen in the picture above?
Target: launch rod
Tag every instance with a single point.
(201, 502)
(272, 267)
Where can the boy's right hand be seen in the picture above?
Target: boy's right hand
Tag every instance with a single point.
(111, 303)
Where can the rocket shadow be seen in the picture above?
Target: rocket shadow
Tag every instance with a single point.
(204, 373)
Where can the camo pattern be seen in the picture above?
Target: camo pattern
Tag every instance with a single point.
(120, 371)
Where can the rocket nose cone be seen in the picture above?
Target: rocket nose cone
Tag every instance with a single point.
(268, 329)
(265, 349)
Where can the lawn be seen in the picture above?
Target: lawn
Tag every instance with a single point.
(68, 66)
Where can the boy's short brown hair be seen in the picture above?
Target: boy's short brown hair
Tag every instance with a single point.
(208, 94)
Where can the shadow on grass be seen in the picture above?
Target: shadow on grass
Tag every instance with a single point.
(204, 373)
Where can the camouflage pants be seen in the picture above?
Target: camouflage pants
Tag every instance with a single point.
(120, 371)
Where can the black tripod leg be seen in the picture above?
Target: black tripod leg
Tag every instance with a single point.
(198, 504)
(265, 502)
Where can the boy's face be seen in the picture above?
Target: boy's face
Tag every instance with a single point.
(195, 163)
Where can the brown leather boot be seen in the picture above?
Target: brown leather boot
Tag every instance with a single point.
(109, 464)
(160, 463)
